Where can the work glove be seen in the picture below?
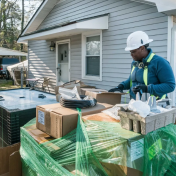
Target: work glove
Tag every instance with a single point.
(119, 88)
(139, 88)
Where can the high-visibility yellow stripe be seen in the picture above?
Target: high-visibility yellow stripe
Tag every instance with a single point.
(163, 97)
(131, 75)
(145, 74)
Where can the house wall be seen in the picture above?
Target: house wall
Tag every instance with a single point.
(125, 17)
(42, 62)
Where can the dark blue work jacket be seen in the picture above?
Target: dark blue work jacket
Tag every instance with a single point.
(161, 78)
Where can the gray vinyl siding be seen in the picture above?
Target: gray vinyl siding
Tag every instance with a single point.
(125, 17)
(42, 62)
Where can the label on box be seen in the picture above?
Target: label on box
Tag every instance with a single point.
(41, 117)
(137, 149)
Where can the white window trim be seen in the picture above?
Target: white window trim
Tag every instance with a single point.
(90, 34)
(59, 43)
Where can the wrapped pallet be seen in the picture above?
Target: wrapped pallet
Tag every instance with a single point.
(99, 148)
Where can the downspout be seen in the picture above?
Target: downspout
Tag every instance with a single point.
(169, 37)
(28, 61)
(173, 59)
(169, 51)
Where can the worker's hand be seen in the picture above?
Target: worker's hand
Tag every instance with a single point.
(140, 87)
(119, 88)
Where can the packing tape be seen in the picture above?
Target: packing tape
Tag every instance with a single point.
(48, 119)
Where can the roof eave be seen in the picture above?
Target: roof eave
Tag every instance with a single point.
(40, 14)
(89, 24)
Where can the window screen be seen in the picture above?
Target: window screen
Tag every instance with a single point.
(93, 65)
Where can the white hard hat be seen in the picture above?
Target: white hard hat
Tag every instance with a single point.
(136, 40)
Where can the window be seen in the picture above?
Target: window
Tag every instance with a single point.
(92, 59)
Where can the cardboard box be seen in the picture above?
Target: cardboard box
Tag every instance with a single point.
(57, 121)
(38, 135)
(10, 161)
(79, 84)
(133, 121)
(72, 84)
(103, 96)
(132, 149)
(70, 168)
(111, 170)
(100, 117)
(58, 95)
(117, 170)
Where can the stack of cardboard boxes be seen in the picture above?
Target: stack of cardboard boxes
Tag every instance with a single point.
(54, 121)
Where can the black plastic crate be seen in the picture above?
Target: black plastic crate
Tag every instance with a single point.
(11, 121)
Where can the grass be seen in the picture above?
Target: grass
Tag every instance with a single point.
(5, 85)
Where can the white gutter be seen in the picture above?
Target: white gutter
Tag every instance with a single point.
(28, 62)
(169, 46)
(169, 37)
(98, 23)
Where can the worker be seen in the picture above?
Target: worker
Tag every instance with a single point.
(150, 73)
